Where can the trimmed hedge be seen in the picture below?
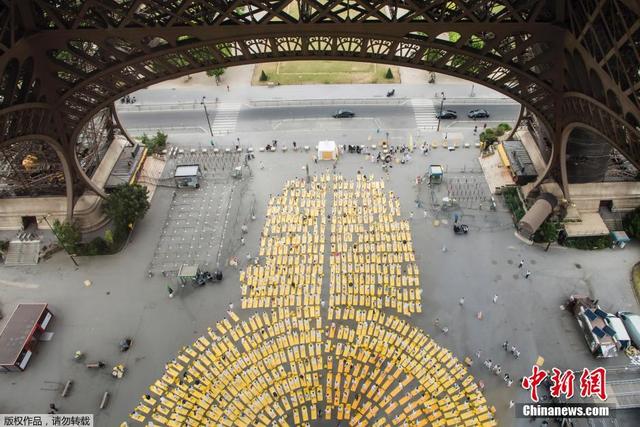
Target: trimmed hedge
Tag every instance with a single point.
(548, 232)
(631, 223)
(588, 243)
(512, 200)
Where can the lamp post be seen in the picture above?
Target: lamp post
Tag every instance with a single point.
(206, 113)
(441, 109)
(53, 230)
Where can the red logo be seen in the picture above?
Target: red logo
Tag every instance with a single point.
(594, 382)
(562, 383)
(531, 383)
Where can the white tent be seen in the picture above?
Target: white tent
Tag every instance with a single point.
(327, 150)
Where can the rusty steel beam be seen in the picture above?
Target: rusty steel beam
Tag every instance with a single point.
(63, 64)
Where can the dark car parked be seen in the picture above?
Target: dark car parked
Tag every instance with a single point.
(478, 114)
(341, 114)
(447, 114)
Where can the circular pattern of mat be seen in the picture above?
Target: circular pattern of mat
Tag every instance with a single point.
(358, 361)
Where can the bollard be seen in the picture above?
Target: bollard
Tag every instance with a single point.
(105, 400)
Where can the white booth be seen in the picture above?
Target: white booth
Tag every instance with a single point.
(327, 150)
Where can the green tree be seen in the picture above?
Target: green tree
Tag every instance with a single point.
(389, 74)
(488, 137)
(160, 141)
(68, 235)
(263, 76)
(217, 73)
(631, 223)
(155, 143)
(504, 126)
(126, 205)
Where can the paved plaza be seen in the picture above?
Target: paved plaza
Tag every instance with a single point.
(314, 250)
(123, 301)
(198, 219)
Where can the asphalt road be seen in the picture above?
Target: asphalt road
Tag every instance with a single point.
(367, 116)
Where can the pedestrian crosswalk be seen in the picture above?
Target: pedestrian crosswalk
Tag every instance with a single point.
(425, 114)
(226, 117)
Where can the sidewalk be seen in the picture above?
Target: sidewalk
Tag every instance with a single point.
(233, 76)
(238, 79)
(305, 92)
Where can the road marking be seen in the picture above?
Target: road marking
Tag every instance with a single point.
(425, 113)
(19, 284)
(168, 130)
(226, 118)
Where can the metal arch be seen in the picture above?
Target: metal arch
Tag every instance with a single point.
(119, 37)
(521, 81)
(108, 101)
(562, 151)
(580, 109)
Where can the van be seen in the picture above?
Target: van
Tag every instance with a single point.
(632, 324)
(621, 335)
(592, 320)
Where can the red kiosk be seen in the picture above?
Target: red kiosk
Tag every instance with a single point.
(20, 335)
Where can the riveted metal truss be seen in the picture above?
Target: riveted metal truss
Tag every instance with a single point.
(65, 61)
(30, 168)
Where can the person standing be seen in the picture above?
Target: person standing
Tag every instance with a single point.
(461, 302)
(505, 345)
(228, 90)
(495, 298)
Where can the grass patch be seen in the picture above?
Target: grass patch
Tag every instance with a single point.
(323, 72)
(635, 277)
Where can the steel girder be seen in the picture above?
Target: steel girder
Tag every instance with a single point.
(568, 62)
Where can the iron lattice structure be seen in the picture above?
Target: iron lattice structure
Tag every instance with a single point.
(570, 63)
